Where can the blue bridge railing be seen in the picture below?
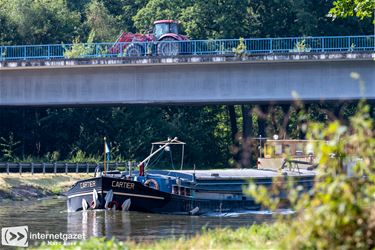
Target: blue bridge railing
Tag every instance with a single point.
(190, 47)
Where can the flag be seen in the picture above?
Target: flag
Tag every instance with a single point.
(107, 151)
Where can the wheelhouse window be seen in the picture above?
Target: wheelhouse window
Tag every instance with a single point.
(184, 191)
(175, 190)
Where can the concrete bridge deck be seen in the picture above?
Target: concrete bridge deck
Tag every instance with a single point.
(188, 79)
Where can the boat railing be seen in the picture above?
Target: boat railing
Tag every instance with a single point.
(293, 165)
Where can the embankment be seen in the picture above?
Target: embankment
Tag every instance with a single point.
(27, 186)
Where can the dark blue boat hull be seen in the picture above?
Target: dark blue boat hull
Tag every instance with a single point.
(147, 199)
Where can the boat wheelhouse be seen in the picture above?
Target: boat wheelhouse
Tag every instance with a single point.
(275, 154)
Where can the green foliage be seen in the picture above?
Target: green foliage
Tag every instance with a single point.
(254, 237)
(81, 157)
(52, 156)
(50, 134)
(78, 49)
(56, 133)
(240, 50)
(275, 18)
(347, 8)
(216, 19)
(156, 10)
(78, 6)
(56, 21)
(7, 34)
(129, 130)
(8, 145)
(124, 11)
(40, 21)
(301, 46)
(101, 22)
(341, 212)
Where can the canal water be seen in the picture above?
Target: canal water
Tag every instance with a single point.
(50, 216)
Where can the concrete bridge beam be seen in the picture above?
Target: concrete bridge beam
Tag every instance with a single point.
(201, 80)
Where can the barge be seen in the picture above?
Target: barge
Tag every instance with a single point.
(189, 192)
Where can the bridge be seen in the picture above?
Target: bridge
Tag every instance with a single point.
(213, 71)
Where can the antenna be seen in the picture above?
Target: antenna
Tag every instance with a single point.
(194, 174)
(182, 156)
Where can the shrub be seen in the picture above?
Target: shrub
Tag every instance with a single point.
(240, 50)
(339, 213)
(78, 49)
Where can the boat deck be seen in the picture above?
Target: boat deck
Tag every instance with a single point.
(231, 174)
(243, 173)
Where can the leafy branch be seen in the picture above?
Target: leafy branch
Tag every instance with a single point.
(8, 146)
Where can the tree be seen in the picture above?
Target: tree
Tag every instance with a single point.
(7, 29)
(101, 22)
(124, 11)
(347, 8)
(8, 146)
(247, 129)
(341, 212)
(78, 6)
(41, 21)
(158, 9)
(277, 18)
(216, 19)
(233, 123)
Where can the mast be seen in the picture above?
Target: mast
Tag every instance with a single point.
(105, 156)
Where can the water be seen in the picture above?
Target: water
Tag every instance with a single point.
(50, 216)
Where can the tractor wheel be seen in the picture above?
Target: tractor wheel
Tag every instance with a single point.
(135, 50)
(168, 47)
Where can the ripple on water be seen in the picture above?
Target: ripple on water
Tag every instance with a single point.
(252, 212)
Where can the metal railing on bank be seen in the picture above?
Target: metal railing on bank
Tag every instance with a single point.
(190, 47)
(60, 167)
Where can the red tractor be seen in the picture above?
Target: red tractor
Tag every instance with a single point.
(159, 41)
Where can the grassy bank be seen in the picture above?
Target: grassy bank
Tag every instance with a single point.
(265, 236)
(27, 186)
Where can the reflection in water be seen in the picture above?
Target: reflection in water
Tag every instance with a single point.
(141, 226)
(99, 223)
(51, 216)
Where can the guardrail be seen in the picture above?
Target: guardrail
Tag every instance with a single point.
(59, 167)
(190, 47)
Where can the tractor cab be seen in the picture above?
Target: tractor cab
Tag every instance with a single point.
(163, 27)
